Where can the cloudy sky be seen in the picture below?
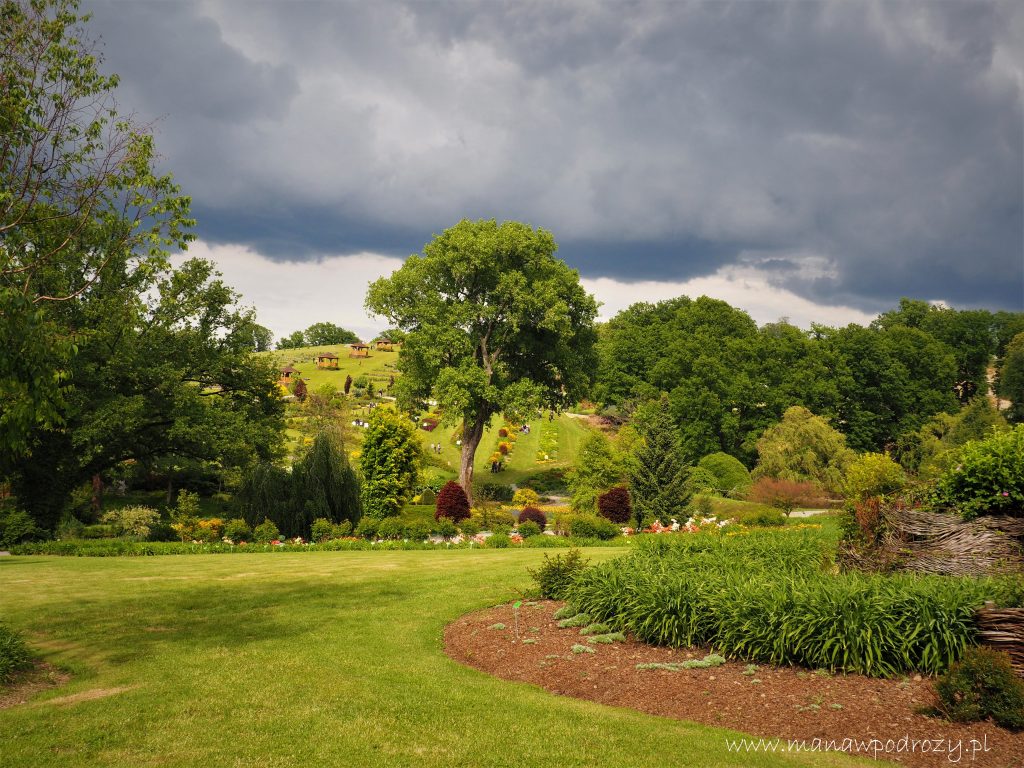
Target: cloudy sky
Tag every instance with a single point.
(809, 160)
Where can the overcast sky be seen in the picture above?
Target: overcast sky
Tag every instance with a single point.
(809, 160)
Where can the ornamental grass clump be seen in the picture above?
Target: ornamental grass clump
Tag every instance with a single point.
(14, 654)
(774, 598)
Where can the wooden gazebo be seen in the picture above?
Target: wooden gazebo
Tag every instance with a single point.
(384, 345)
(359, 350)
(327, 360)
(289, 374)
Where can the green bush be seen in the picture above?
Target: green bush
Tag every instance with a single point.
(446, 529)
(546, 482)
(237, 530)
(873, 474)
(731, 477)
(342, 529)
(586, 527)
(266, 531)
(499, 541)
(322, 529)
(987, 478)
(132, 521)
(496, 492)
(16, 526)
(428, 497)
(765, 517)
(528, 529)
(390, 528)
(14, 654)
(367, 528)
(766, 597)
(469, 528)
(982, 685)
(556, 574)
(99, 532)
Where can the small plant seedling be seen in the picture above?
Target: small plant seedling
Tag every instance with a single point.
(499, 625)
(553, 656)
(596, 629)
(565, 612)
(836, 707)
(529, 640)
(607, 639)
(750, 670)
(822, 673)
(579, 620)
(755, 681)
(582, 649)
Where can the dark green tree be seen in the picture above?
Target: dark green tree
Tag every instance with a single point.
(657, 481)
(1011, 378)
(292, 341)
(323, 485)
(390, 462)
(492, 323)
(328, 333)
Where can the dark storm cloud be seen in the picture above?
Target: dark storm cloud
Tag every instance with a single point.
(874, 148)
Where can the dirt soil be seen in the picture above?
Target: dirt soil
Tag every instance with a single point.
(30, 682)
(786, 703)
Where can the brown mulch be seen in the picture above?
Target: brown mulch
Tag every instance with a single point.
(786, 703)
(30, 682)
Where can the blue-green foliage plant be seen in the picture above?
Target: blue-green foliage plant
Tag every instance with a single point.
(774, 597)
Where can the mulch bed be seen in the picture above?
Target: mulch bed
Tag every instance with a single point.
(786, 703)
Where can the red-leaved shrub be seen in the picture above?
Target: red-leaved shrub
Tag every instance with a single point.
(451, 503)
(532, 513)
(615, 505)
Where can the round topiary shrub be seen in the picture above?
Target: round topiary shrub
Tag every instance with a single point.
(731, 477)
(534, 514)
(452, 503)
(615, 505)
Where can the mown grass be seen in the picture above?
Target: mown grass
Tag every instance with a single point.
(322, 659)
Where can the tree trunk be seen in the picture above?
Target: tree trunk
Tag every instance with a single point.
(97, 494)
(471, 435)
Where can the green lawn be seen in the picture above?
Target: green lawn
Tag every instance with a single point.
(379, 366)
(312, 659)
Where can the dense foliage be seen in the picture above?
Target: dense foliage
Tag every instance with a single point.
(803, 448)
(730, 477)
(657, 481)
(451, 503)
(493, 323)
(534, 515)
(988, 478)
(766, 597)
(390, 459)
(14, 654)
(318, 334)
(982, 685)
(615, 505)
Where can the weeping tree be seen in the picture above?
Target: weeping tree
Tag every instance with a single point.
(321, 484)
(492, 323)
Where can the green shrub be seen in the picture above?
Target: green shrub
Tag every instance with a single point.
(446, 529)
(585, 527)
(417, 530)
(499, 541)
(99, 532)
(528, 529)
(731, 477)
(988, 477)
(16, 526)
(501, 529)
(266, 531)
(237, 530)
(428, 497)
(982, 685)
(873, 474)
(469, 528)
(765, 517)
(14, 654)
(496, 492)
(702, 506)
(367, 528)
(342, 529)
(321, 530)
(132, 521)
(390, 528)
(535, 515)
(546, 482)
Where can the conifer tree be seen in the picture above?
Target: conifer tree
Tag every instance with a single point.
(657, 480)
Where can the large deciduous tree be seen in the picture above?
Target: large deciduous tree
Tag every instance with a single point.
(77, 190)
(493, 323)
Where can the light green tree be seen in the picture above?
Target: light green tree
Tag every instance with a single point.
(390, 462)
(492, 324)
(597, 468)
(803, 448)
(873, 474)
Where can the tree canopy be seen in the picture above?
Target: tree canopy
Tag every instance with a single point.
(492, 323)
(78, 191)
(318, 334)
